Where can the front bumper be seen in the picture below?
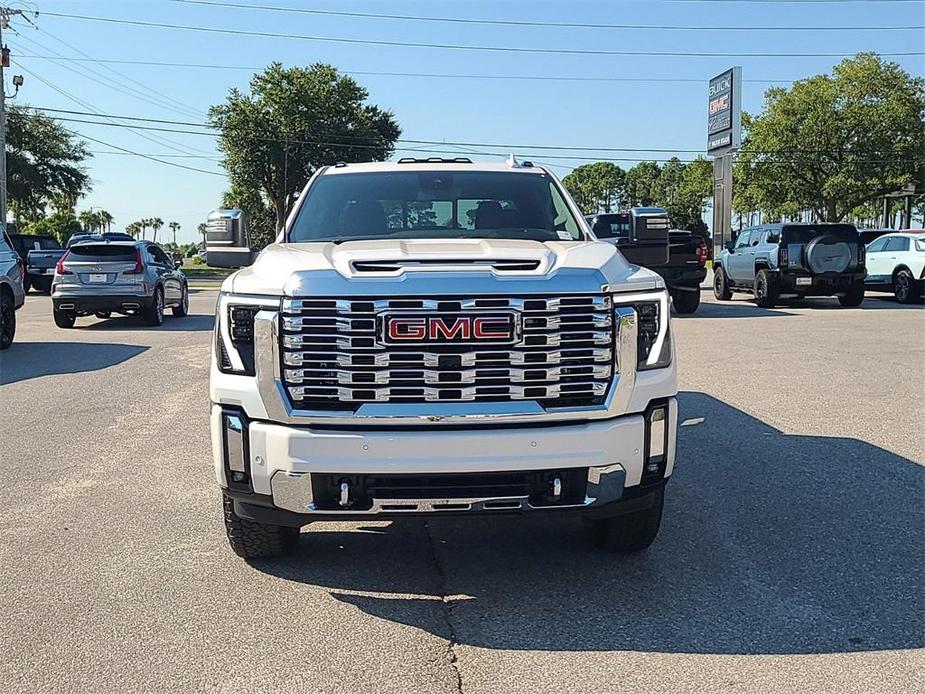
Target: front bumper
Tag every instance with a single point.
(284, 467)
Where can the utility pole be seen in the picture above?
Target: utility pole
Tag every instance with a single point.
(5, 14)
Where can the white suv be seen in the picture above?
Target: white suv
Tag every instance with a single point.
(897, 262)
(439, 337)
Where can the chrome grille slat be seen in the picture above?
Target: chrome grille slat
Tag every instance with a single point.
(332, 354)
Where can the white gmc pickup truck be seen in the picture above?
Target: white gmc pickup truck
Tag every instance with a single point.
(436, 337)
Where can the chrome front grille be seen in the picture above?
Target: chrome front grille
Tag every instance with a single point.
(333, 356)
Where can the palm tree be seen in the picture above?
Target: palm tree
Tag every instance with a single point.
(143, 225)
(156, 223)
(87, 220)
(133, 229)
(174, 227)
(202, 232)
(106, 219)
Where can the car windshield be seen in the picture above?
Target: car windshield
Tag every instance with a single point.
(804, 233)
(435, 204)
(102, 252)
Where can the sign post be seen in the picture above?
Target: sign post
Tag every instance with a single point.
(724, 133)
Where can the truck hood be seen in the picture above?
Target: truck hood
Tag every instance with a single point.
(440, 266)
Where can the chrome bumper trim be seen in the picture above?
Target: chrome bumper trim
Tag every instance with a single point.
(292, 491)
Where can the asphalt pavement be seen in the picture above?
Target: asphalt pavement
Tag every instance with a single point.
(791, 555)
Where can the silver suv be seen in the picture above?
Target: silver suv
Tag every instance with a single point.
(128, 277)
(12, 295)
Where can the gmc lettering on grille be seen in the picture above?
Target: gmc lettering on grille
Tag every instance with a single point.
(495, 328)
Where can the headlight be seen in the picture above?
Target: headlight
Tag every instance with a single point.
(653, 326)
(234, 332)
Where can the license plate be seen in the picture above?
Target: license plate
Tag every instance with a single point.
(97, 279)
(804, 280)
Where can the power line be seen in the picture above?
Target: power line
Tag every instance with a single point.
(457, 47)
(435, 75)
(528, 23)
(370, 142)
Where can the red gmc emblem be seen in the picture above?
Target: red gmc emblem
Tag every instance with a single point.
(497, 328)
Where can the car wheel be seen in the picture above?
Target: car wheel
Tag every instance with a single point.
(854, 296)
(721, 288)
(182, 309)
(685, 302)
(630, 532)
(766, 291)
(154, 314)
(64, 319)
(7, 320)
(252, 540)
(905, 288)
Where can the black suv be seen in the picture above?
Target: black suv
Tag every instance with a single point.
(792, 261)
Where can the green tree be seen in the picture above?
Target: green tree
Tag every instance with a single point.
(62, 225)
(44, 164)
(642, 184)
(106, 220)
(202, 228)
(597, 187)
(293, 121)
(261, 217)
(155, 223)
(683, 192)
(174, 227)
(87, 220)
(832, 143)
(133, 229)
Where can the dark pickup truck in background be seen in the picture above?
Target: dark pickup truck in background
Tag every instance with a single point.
(684, 267)
(40, 255)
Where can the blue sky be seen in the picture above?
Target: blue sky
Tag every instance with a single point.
(648, 113)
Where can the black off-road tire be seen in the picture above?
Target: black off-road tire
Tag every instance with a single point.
(253, 540)
(766, 289)
(45, 286)
(721, 288)
(64, 319)
(684, 301)
(905, 288)
(630, 532)
(182, 309)
(854, 296)
(26, 284)
(154, 314)
(7, 319)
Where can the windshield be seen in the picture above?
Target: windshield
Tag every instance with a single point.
(435, 204)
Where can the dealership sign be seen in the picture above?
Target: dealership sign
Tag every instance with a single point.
(724, 112)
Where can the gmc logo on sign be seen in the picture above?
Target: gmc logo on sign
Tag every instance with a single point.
(497, 328)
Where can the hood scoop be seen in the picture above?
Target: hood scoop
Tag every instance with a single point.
(500, 265)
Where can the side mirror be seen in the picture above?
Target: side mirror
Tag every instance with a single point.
(227, 239)
(730, 246)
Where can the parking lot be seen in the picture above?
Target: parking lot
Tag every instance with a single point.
(790, 556)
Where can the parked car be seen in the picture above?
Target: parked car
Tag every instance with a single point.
(40, 253)
(447, 342)
(868, 236)
(792, 261)
(896, 262)
(128, 277)
(12, 294)
(685, 268)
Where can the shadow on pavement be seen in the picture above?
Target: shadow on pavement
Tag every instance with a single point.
(194, 322)
(25, 360)
(770, 544)
(732, 309)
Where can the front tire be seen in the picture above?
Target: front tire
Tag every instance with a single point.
(182, 309)
(721, 289)
(253, 540)
(64, 319)
(685, 302)
(630, 532)
(854, 296)
(154, 314)
(905, 288)
(7, 320)
(766, 290)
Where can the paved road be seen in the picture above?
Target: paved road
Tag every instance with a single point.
(790, 559)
